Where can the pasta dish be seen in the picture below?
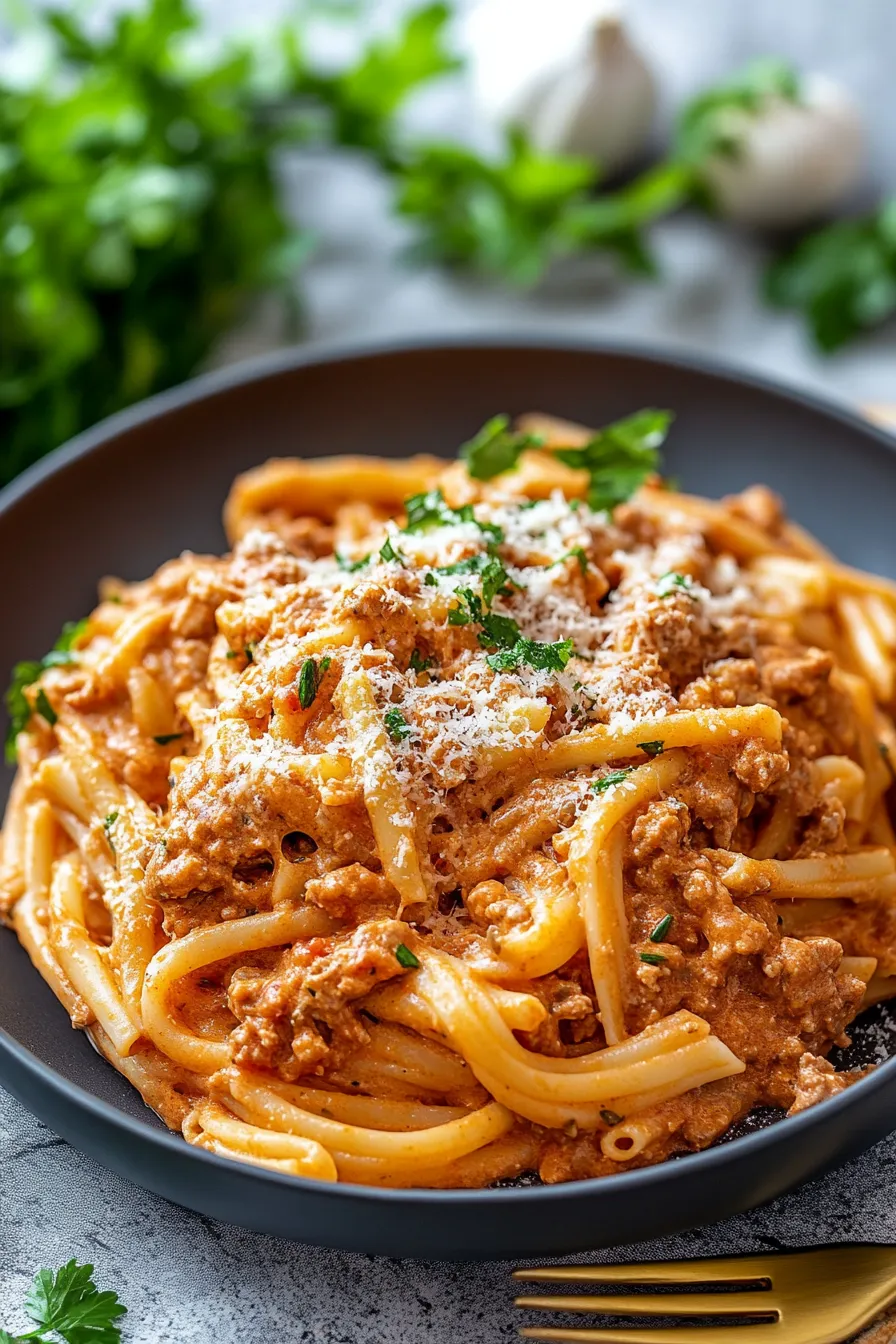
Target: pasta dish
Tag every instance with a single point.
(517, 814)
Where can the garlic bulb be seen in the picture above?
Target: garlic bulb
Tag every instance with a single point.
(568, 74)
(794, 160)
(600, 105)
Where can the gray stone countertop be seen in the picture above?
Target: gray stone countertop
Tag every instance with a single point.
(191, 1280)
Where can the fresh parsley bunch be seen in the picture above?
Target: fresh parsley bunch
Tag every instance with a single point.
(66, 1304)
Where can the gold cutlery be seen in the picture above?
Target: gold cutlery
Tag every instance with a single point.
(823, 1296)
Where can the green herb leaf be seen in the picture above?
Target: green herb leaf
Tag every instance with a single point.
(652, 958)
(496, 448)
(406, 958)
(310, 677)
(389, 553)
(713, 123)
(842, 277)
(25, 674)
(543, 657)
(164, 738)
(659, 933)
(671, 582)
(44, 708)
(612, 779)
(429, 510)
(397, 725)
(510, 216)
(620, 457)
(420, 664)
(489, 567)
(351, 566)
(108, 823)
(577, 553)
(249, 650)
(651, 749)
(611, 1117)
(69, 1303)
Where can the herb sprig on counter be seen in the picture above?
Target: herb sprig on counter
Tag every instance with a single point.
(67, 1304)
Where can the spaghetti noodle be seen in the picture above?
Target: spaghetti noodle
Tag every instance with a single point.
(451, 828)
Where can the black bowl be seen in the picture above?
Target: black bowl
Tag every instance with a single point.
(150, 483)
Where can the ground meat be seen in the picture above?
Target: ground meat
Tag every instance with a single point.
(232, 807)
(816, 1080)
(303, 1014)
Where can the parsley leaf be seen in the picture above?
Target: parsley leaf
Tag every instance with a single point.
(397, 725)
(577, 553)
(108, 823)
(658, 934)
(496, 448)
(44, 708)
(492, 572)
(651, 749)
(69, 1303)
(543, 657)
(406, 958)
(351, 566)
(671, 582)
(620, 457)
(390, 553)
(25, 674)
(310, 677)
(429, 510)
(842, 277)
(611, 1117)
(612, 779)
(420, 664)
(711, 124)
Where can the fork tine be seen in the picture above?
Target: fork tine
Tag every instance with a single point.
(721, 1334)
(658, 1304)
(716, 1269)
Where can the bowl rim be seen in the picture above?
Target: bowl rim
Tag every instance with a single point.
(208, 385)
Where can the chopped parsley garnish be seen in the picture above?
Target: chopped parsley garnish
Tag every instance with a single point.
(612, 779)
(611, 1117)
(388, 552)
(577, 553)
(496, 448)
(405, 957)
(543, 657)
(231, 653)
(351, 566)
(651, 749)
(44, 708)
(652, 958)
(397, 725)
(310, 678)
(66, 1304)
(671, 582)
(108, 823)
(429, 510)
(420, 664)
(658, 934)
(490, 569)
(25, 674)
(164, 738)
(249, 650)
(620, 457)
(503, 633)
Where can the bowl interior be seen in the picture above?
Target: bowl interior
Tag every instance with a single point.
(139, 490)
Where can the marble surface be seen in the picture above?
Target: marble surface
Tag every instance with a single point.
(188, 1279)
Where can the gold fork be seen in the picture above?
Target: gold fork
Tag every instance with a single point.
(823, 1296)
